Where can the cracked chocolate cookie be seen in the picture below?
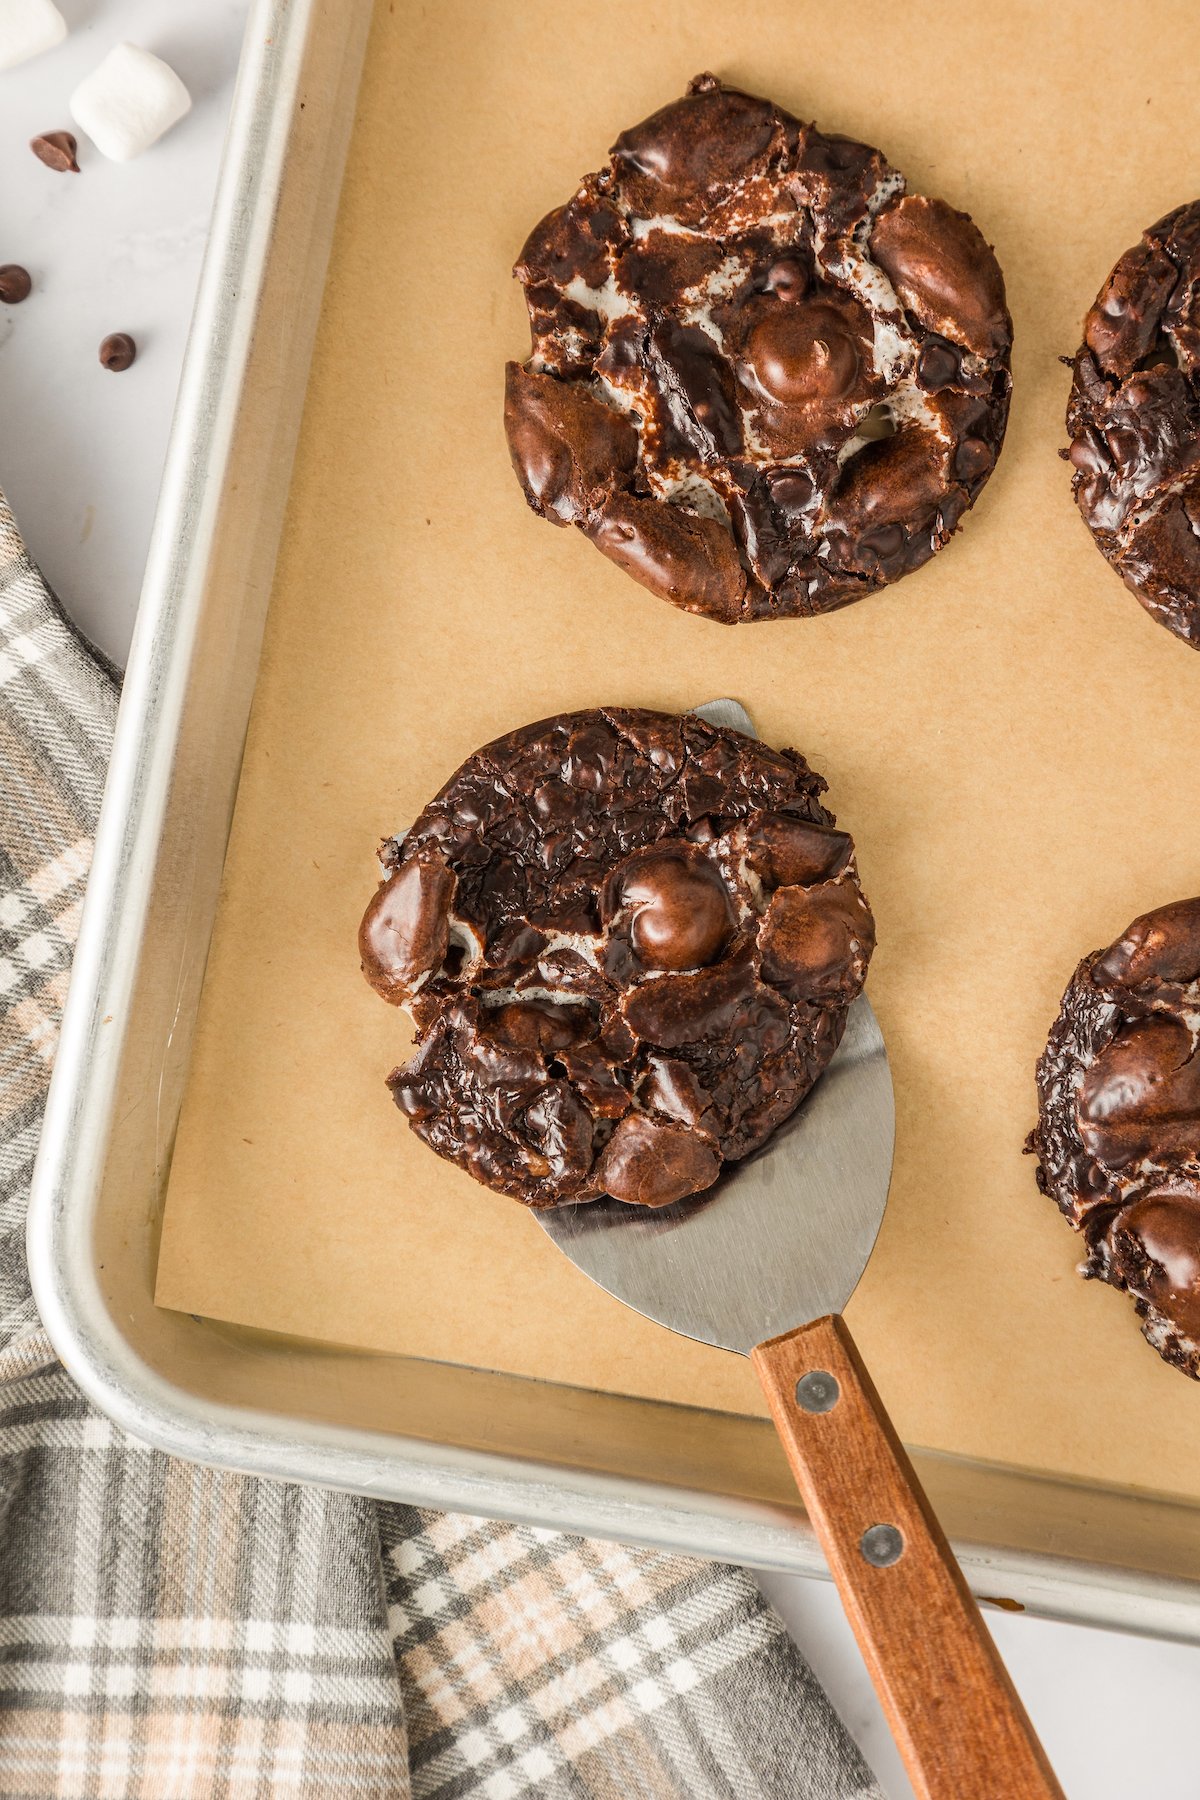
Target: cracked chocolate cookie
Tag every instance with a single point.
(1118, 1133)
(628, 942)
(765, 380)
(1134, 420)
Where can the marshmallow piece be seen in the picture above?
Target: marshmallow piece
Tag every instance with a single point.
(127, 103)
(27, 27)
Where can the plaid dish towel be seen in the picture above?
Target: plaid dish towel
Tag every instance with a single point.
(169, 1632)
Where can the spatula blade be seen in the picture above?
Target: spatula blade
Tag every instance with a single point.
(785, 1235)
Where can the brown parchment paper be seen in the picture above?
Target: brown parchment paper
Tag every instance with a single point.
(1013, 743)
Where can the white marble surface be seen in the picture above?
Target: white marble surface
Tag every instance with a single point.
(1114, 1712)
(114, 248)
(117, 249)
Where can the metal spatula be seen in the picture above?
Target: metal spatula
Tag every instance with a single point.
(763, 1265)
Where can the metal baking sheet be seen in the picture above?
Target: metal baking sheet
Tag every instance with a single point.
(402, 1427)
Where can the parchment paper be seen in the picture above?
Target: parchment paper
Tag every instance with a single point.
(1012, 741)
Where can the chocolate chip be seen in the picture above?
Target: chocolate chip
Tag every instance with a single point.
(16, 284)
(654, 1162)
(972, 458)
(816, 942)
(117, 352)
(893, 480)
(937, 366)
(1141, 1095)
(706, 140)
(788, 852)
(1161, 946)
(57, 150)
(672, 1088)
(1088, 453)
(681, 912)
(405, 930)
(812, 358)
(943, 269)
(691, 366)
(567, 446)
(884, 542)
(788, 278)
(791, 490)
(1156, 1246)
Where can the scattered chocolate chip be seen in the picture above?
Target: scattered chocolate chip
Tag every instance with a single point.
(118, 351)
(16, 284)
(57, 150)
(667, 933)
(707, 385)
(1118, 1132)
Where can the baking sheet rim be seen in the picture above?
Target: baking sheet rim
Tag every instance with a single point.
(67, 1184)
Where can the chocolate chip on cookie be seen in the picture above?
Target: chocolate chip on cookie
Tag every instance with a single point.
(765, 380)
(628, 942)
(1118, 1133)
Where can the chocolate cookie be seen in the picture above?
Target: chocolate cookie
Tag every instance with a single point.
(628, 942)
(765, 380)
(1134, 420)
(1118, 1134)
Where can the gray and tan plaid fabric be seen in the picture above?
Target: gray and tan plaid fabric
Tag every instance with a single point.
(175, 1633)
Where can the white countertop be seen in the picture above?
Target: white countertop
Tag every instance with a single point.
(114, 248)
(117, 248)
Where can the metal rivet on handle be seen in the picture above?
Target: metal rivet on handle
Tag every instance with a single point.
(882, 1545)
(817, 1392)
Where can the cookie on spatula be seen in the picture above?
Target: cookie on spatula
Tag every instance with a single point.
(628, 941)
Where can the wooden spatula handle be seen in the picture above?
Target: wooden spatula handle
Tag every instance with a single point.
(953, 1710)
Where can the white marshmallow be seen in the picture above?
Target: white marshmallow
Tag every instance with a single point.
(27, 27)
(127, 103)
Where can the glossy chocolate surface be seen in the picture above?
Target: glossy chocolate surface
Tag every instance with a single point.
(629, 942)
(1118, 1133)
(1134, 420)
(764, 380)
